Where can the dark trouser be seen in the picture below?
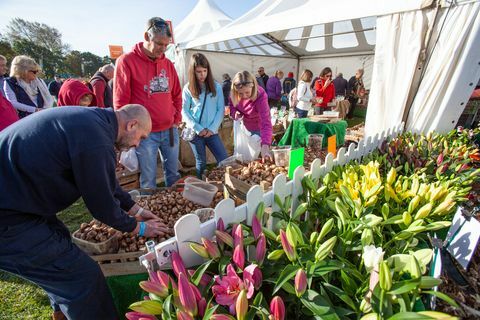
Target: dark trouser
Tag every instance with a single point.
(301, 113)
(353, 104)
(41, 251)
(214, 143)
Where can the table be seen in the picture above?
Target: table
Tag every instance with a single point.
(299, 129)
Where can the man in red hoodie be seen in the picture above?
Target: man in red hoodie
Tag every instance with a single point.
(145, 76)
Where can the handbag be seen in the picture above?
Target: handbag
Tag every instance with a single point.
(188, 134)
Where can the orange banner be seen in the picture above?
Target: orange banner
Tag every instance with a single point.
(115, 51)
(332, 145)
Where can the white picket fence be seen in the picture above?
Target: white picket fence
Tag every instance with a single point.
(189, 229)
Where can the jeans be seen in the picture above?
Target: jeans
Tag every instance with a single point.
(214, 143)
(147, 158)
(41, 251)
(301, 113)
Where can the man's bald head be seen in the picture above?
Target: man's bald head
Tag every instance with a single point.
(136, 112)
(134, 125)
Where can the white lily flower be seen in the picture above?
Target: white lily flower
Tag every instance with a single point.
(372, 256)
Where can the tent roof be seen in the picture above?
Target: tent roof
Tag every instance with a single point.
(204, 18)
(304, 27)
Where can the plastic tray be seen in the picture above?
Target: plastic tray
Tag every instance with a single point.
(199, 191)
(282, 156)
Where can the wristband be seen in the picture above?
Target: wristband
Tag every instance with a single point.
(139, 212)
(142, 228)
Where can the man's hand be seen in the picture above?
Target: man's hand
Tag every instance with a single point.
(154, 228)
(146, 215)
(202, 133)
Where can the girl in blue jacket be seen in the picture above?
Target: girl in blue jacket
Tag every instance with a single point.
(203, 111)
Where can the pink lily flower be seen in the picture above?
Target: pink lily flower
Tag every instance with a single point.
(228, 287)
(212, 249)
(289, 250)
(256, 227)
(187, 295)
(239, 256)
(261, 249)
(237, 235)
(138, 315)
(300, 282)
(277, 309)
(253, 274)
(177, 264)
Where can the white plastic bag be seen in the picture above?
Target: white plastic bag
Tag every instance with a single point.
(245, 143)
(129, 159)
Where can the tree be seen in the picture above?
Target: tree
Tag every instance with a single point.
(6, 50)
(38, 33)
(49, 61)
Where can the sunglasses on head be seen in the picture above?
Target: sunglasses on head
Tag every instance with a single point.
(160, 24)
(240, 85)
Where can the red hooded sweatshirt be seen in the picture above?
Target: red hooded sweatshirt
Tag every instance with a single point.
(72, 91)
(8, 114)
(152, 83)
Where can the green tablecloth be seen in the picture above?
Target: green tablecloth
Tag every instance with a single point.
(299, 129)
(125, 291)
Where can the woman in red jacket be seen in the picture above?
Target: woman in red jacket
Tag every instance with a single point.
(75, 93)
(324, 90)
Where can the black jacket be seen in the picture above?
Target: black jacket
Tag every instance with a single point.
(53, 157)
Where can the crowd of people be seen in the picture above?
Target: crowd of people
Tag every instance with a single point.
(53, 156)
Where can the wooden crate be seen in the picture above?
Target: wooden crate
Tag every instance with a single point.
(116, 264)
(129, 180)
(237, 187)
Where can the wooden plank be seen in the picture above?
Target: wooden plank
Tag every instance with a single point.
(124, 268)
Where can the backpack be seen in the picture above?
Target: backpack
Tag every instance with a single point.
(292, 98)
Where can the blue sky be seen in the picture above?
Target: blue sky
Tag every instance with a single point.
(91, 25)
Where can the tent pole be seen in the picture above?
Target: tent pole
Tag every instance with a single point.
(281, 44)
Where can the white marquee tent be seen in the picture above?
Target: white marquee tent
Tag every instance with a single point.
(423, 51)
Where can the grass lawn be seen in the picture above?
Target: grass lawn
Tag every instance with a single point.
(21, 299)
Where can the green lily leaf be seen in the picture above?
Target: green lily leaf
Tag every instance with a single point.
(286, 274)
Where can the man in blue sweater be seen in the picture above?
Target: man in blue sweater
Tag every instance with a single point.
(49, 160)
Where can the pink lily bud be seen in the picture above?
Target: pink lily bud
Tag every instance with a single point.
(261, 249)
(199, 249)
(212, 249)
(256, 227)
(223, 237)
(237, 235)
(241, 306)
(220, 225)
(181, 315)
(221, 317)
(187, 295)
(239, 256)
(289, 250)
(253, 274)
(196, 292)
(155, 288)
(440, 159)
(138, 315)
(277, 309)
(177, 264)
(202, 307)
(463, 167)
(300, 282)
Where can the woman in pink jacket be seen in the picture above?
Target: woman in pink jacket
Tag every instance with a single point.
(248, 101)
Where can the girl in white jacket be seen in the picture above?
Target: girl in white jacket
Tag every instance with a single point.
(304, 94)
